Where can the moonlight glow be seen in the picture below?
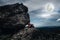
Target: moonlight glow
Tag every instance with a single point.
(49, 7)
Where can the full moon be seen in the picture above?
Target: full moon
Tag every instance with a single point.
(49, 7)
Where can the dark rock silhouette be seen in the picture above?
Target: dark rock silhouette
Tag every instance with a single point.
(13, 18)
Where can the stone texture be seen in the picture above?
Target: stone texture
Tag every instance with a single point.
(13, 18)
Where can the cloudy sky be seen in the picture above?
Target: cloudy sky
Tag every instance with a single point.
(40, 13)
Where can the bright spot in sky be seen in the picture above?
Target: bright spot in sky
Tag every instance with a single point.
(49, 7)
(45, 15)
(58, 19)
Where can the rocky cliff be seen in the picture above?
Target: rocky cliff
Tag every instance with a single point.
(13, 18)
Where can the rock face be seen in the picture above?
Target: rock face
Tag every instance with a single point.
(35, 34)
(13, 18)
(25, 34)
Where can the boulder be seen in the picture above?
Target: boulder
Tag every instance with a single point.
(13, 17)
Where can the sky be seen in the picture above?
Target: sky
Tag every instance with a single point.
(39, 15)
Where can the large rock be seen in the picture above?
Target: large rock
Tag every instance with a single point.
(13, 18)
(35, 34)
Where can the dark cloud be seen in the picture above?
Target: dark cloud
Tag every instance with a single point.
(5, 2)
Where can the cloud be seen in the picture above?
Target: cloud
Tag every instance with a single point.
(5, 2)
(37, 13)
(58, 20)
(45, 19)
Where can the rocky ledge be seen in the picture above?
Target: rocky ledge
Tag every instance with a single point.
(35, 34)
